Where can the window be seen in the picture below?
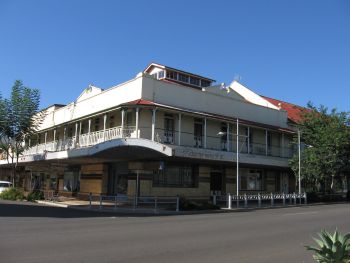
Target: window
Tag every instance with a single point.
(175, 176)
(70, 132)
(53, 182)
(111, 121)
(97, 124)
(198, 132)
(223, 138)
(269, 141)
(194, 81)
(37, 181)
(248, 139)
(183, 78)
(129, 118)
(251, 180)
(71, 181)
(205, 83)
(161, 74)
(169, 128)
(171, 75)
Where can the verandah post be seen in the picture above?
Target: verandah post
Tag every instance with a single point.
(229, 201)
(177, 203)
(272, 201)
(100, 201)
(155, 204)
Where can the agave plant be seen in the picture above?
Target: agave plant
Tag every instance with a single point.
(332, 248)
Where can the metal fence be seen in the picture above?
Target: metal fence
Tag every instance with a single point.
(49, 195)
(260, 200)
(141, 202)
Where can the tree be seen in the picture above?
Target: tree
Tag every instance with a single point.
(326, 138)
(20, 119)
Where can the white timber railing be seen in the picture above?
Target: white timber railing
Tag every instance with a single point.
(84, 140)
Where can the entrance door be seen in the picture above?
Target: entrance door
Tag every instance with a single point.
(284, 183)
(216, 183)
(198, 133)
(117, 181)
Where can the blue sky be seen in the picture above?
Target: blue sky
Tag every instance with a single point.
(291, 50)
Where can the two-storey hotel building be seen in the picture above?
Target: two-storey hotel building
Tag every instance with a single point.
(165, 132)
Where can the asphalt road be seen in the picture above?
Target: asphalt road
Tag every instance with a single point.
(33, 233)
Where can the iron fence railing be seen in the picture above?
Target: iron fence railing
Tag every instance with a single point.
(260, 199)
(140, 202)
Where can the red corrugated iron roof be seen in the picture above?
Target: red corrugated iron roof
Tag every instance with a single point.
(294, 111)
(140, 102)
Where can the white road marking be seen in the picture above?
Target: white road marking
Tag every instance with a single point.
(300, 213)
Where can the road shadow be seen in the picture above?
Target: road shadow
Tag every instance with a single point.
(27, 209)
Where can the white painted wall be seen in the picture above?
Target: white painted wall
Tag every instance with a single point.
(128, 91)
(210, 100)
(202, 101)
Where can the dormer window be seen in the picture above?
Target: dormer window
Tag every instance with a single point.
(205, 83)
(158, 75)
(171, 75)
(194, 81)
(161, 74)
(183, 78)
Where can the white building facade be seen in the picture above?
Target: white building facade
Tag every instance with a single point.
(165, 132)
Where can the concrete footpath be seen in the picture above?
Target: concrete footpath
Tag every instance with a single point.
(106, 207)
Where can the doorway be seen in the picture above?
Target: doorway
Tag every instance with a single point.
(216, 183)
(117, 181)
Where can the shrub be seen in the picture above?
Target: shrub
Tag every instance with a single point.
(348, 196)
(332, 248)
(186, 204)
(333, 198)
(35, 195)
(313, 197)
(12, 194)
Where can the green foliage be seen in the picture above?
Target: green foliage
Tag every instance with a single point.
(12, 194)
(35, 195)
(313, 197)
(348, 196)
(325, 137)
(331, 248)
(19, 120)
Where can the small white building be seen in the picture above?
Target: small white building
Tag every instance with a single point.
(175, 130)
